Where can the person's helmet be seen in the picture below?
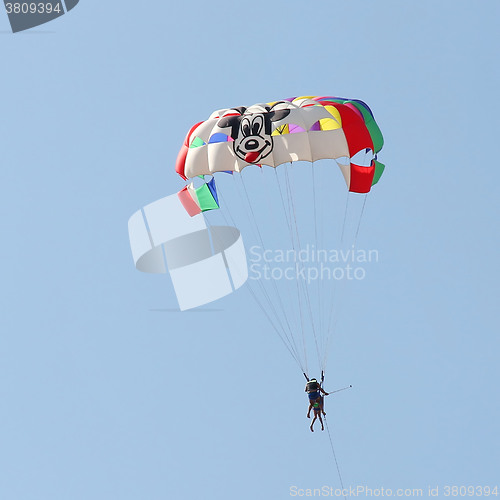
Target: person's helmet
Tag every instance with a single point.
(312, 380)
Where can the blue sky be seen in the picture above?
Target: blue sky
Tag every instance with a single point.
(108, 393)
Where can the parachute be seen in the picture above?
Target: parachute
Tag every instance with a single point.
(285, 202)
(302, 128)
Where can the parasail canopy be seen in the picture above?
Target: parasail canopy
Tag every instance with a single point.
(304, 128)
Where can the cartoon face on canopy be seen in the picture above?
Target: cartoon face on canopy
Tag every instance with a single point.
(251, 133)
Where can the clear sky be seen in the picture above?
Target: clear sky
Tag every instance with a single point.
(107, 392)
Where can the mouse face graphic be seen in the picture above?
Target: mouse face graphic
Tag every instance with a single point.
(252, 133)
(253, 143)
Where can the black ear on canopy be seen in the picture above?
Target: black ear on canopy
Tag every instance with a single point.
(275, 116)
(279, 115)
(231, 121)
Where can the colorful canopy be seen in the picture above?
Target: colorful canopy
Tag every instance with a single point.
(305, 128)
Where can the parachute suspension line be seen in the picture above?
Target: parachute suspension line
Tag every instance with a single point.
(278, 222)
(359, 222)
(273, 282)
(334, 456)
(259, 303)
(292, 239)
(306, 290)
(320, 315)
(284, 324)
(319, 246)
(295, 244)
(292, 351)
(286, 342)
(333, 314)
(255, 229)
(305, 287)
(345, 218)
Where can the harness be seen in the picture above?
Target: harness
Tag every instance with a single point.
(312, 386)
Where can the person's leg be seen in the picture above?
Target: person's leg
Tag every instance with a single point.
(314, 420)
(309, 409)
(321, 420)
(322, 404)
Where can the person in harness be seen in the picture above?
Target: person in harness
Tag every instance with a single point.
(314, 391)
(317, 414)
